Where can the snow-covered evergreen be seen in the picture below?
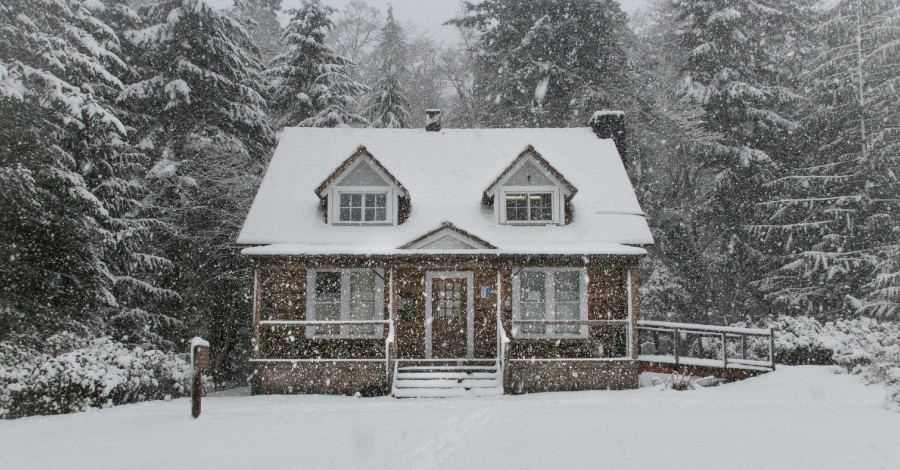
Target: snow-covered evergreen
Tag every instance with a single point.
(834, 215)
(388, 105)
(73, 245)
(201, 111)
(547, 62)
(310, 85)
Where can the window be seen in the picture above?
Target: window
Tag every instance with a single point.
(549, 294)
(363, 207)
(525, 207)
(341, 295)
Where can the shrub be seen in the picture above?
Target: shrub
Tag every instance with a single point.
(81, 374)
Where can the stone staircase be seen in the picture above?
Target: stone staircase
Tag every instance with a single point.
(426, 378)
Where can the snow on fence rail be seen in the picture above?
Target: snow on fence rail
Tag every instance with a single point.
(706, 345)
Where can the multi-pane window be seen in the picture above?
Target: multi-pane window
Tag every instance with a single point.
(549, 295)
(341, 295)
(528, 207)
(363, 207)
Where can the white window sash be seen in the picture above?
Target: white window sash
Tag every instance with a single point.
(555, 209)
(550, 304)
(389, 209)
(345, 303)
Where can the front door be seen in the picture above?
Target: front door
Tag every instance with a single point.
(450, 315)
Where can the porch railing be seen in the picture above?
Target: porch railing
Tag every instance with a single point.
(304, 324)
(690, 338)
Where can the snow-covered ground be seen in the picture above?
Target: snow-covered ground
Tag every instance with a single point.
(796, 417)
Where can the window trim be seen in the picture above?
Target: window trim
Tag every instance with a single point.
(345, 302)
(554, 204)
(334, 204)
(550, 304)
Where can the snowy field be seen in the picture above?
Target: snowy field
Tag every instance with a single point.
(795, 418)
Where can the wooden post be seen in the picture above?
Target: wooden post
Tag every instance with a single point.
(744, 346)
(199, 363)
(676, 344)
(772, 346)
(724, 351)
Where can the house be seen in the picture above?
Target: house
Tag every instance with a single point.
(438, 262)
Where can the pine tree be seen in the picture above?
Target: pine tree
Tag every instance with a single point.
(71, 243)
(388, 104)
(262, 24)
(311, 86)
(203, 119)
(836, 212)
(739, 67)
(547, 62)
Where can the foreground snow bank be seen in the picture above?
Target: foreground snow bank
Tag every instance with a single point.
(788, 419)
(862, 346)
(84, 374)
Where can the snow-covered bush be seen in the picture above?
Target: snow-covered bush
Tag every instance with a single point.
(863, 346)
(81, 374)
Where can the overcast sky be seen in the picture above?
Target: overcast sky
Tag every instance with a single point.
(429, 15)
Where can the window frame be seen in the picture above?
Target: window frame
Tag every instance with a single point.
(335, 205)
(550, 304)
(345, 306)
(555, 209)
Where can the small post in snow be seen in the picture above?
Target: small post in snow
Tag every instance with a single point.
(199, 363)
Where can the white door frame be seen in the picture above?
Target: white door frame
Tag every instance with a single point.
(469, 276)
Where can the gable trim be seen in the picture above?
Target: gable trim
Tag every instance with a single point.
(454, 231)
(349, 163)
(542, 164)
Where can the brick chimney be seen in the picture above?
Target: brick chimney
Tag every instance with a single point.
(433, 120)
(610, 125)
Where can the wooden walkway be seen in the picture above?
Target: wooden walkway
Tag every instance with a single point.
(705, 350)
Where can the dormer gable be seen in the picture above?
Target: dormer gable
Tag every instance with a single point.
(530, 192)
(448, 237)
(361, 191)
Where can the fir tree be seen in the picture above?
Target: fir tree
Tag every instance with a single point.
(835, 214)
(739, 68)
(70, 238)
(388, 104)
(262, 24)
(202, 113)
(311, 86)
(547, 62)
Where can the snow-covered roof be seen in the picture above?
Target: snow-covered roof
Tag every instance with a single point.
(445, 174)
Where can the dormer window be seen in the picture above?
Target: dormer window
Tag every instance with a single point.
(529, 207)
(530, 192)
(362, 192)
(363, 206)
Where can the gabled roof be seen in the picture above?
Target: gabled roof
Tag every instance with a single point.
(448, 229)
(531, 153)
(361, 153)
(445, 174)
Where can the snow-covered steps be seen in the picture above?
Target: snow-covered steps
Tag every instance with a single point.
(447, 378)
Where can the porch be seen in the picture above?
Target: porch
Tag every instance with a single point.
(463, 327)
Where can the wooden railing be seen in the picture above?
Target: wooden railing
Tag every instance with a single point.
(502, 339)
(389, 337)
(687, 336)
